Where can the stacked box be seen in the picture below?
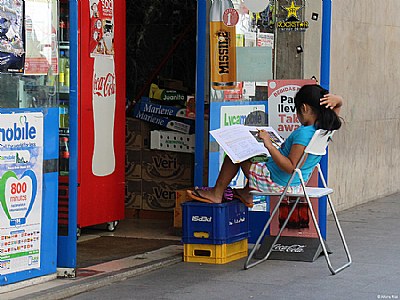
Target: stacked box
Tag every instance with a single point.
(133, 135)
(214, 233)
(167, 166)
(138, 134)
(172, 141)
(159, 161)
(160, 174)
(133, 164)
(162, 120)
(181, 196)
(133, 194)
(153, 176)
(159, 195)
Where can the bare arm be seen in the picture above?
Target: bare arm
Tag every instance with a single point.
(286, 164)
(333, 102)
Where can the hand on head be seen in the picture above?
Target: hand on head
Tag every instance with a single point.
(331, 101)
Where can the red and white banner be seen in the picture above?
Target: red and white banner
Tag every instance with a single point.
(281, 110)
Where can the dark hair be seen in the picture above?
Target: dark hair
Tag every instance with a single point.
(311, 94)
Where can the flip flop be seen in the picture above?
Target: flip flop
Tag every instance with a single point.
(237, 196)
(196, 196)
(226, 197)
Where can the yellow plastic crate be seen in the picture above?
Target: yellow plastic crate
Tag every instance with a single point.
(215, 254)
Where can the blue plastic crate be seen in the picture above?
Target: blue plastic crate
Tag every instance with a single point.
(206, 223)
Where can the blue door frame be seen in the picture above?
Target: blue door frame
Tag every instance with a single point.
(66, 246)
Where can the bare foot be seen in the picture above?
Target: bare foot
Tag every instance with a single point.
(209, 194)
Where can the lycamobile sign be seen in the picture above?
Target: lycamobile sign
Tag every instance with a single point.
(18, 133)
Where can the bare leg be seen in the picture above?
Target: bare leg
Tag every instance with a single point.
(244, 193)
(225, 176)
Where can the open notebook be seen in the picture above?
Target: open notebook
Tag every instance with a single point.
(240, 142)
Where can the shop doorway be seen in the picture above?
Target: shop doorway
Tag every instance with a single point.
(160, 50)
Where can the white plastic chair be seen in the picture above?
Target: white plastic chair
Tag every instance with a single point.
(317, 146)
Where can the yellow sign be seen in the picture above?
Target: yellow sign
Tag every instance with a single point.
(292, 21)
(292, 10)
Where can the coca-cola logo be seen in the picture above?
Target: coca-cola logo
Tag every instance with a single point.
(289, 248)
(104, 86)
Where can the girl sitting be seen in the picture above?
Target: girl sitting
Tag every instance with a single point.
(316, 109)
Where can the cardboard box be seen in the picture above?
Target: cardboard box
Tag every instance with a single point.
(172, 141)
(166, 94)
(172, 84)
(181, 196)
(138, 134)
(167, 165)
(133, 136)
(147, 106)
(161, 120)
(133, 193)
(133, 164)
(160, 195)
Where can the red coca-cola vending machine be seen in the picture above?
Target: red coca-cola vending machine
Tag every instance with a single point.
(91, 189)
(101, 112)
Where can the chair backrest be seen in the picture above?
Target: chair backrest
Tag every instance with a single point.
(319, 142)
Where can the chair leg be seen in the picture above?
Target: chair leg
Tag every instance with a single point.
(322, 241)
(339, 228)
(247, 264)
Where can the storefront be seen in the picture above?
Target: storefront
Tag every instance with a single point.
(270, 51)
(67, 103)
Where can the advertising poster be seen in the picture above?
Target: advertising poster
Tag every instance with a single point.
(21, 164)
(41, 37)
(11, 36)
(101, 27)
(281, 110)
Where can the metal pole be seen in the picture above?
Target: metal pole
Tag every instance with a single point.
(325, 81)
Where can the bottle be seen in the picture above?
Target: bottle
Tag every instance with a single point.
(64, 117)
(66, 29)
(64, 155)
(66, 73)
(283, 212)
(61, 68)
(64, 23)
(294, 220)
(62, 29)
(303, 214)
(222, 47)
(104, 101)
